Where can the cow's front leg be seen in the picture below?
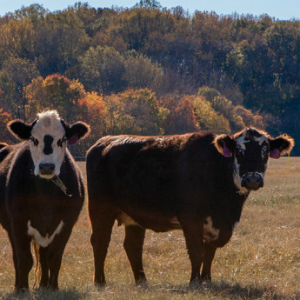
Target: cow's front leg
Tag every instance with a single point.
(44, 266)
(133, 244)
(209, 255)
(23, 258)
(55, 253)
(193, 232)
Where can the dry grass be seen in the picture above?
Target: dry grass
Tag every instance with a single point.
(262, 261)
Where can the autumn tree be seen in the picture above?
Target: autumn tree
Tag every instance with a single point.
(144, 115)
(54, 92)
(249, 119)
(5, 134)
(91, 109)
(208, 118)
(180, 117)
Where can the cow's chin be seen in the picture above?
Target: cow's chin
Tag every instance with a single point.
(46, 176)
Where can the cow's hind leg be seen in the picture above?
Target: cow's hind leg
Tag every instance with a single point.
(210, 251)
(102, 224)
(133, 244)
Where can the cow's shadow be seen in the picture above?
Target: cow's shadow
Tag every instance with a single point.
(43, 294)
(233, 291)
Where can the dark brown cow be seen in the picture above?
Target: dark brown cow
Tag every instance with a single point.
(41, 193)
(196, 182)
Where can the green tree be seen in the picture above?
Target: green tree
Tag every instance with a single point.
(102, 69)
(208, 118)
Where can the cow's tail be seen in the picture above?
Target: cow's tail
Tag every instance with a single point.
(37, 273)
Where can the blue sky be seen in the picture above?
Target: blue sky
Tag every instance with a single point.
(282, 10)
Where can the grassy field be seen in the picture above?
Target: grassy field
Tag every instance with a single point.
(262, 260)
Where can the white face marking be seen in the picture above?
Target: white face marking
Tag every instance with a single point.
(40, 240)
(237, 178)
(241, 141)
(260, 139)
(48, 123)
(209, 232)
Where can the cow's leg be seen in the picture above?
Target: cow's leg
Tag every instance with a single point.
(102, 224)
(14, 258)
(5, 222)
(209, 255)
(193, 233)
(55, 254)
(24, 259)
(44, 266)
(133, 244)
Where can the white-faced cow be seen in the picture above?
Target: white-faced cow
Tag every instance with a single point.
(41, 193)
(195, 182)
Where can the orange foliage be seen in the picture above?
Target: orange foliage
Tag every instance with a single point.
(181, 117)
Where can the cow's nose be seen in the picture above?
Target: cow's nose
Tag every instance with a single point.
(46, 168)
(252, 181)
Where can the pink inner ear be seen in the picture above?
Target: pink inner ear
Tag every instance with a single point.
(226, 151)
(73, 139)
(275, 153)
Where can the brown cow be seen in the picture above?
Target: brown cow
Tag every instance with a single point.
(196, 182)
(41, 193)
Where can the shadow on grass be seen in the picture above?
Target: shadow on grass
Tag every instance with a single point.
(224, 290)
(44, 294)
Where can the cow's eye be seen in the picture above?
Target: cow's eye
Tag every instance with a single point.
(264, 151)
(61, 141)
(239, 151)
(34, 140)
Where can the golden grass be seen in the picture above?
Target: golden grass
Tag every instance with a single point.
(262, 260)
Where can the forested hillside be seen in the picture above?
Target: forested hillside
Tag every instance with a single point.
(149, 70)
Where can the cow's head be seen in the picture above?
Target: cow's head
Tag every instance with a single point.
(48, 136)
(251, 149)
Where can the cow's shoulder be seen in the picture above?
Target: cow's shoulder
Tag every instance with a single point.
(8, 153)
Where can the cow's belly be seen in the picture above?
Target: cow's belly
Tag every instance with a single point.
(152, 221)
(210, 233)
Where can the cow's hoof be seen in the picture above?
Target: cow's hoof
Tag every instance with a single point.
(195, 283)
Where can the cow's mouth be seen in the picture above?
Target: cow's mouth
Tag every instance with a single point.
(46, 170)
(252, 181)
(48, 176)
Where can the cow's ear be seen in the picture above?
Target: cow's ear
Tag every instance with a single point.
(281, 145)
(77, 131)
(224, 144)
(20, 130)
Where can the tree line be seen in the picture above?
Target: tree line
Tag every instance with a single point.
(150, 70)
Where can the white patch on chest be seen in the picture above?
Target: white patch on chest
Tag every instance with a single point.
(209, 232)
(40, 240)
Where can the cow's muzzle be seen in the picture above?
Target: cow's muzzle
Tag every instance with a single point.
(252, 181)
(46, 169)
